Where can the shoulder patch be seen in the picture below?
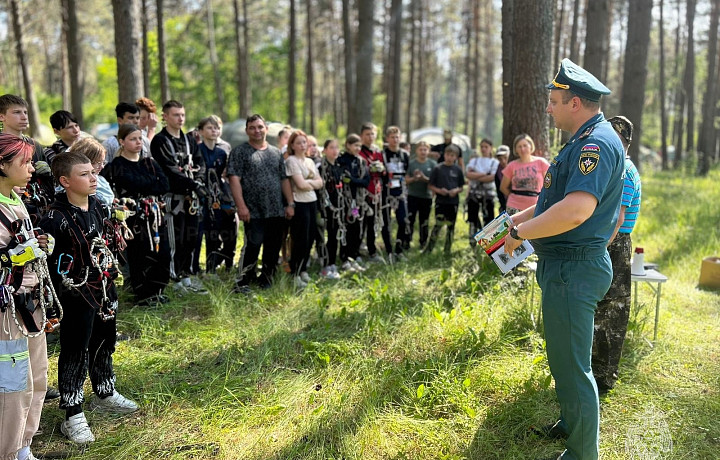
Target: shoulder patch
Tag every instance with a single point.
(548, 180)
(588, 162)
(587, 132)
(590, 148)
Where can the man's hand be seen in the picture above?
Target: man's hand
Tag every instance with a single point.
(243, 213)
(46, 243)
(289, 212)
(511, 244)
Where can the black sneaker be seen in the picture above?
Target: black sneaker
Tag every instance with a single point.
(51, 393)
(550, 431)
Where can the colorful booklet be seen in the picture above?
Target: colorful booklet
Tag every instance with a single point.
(492, 240)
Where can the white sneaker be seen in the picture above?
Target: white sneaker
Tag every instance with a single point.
(357, 267)
(193, 284)
(77, 430)
(334, 268)
(114, 403)
(329, 273)
(305, 277)
(299, 283)
(347, 266)
(377, 258)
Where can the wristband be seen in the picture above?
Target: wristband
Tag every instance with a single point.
(514, 233)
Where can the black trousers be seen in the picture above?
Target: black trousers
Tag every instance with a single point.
(87, 344)
(221, 230)
(369, 223)
(352, 239)
(266, 234)
(186, 228)
(302, 229)
(421, 208)
(331, 243)
(149, 269)
(484, 204)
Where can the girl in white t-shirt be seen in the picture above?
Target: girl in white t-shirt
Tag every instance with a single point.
(304, 179)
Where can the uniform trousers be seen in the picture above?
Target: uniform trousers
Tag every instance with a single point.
(571, 288)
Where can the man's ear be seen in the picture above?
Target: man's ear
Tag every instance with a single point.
(64, 181)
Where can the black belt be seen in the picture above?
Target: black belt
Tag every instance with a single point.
(524, 192)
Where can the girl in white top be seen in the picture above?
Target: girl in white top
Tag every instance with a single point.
(304, 179)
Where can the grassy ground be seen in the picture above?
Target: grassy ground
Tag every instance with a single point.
(433, 358)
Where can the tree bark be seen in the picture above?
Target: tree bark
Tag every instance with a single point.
(309, 83)
(145, 50)
(422, 70)
(635, 72)
(689, 78)
(706, 141)
(219, 93)
(413, 56)
(596, 38)
(489, 71)
(242, 67)
(574, 41)
(364, 70)
(350, 74)
(558, 33)
(128, 50)
(468, 64)
(475, 73)
(526, 69)
(395, 61)
(17, 25)
(292, 59)
(663, 96)
(164, 79)
(74, 51)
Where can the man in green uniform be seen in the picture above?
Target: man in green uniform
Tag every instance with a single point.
(570, 227)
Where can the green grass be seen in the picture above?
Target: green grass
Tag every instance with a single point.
(433, 358)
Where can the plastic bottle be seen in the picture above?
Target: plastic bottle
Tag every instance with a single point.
(638, 262)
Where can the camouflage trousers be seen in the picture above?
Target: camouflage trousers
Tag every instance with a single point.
(612, 315)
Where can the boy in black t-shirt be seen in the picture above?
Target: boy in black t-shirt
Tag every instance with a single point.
(446, 181)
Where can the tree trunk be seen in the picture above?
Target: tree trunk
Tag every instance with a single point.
(145, 50)
(596, 38)
(413, 56)
(526, 68)
(468, 63)
(663, 97)
(574, 40)
(128, 49)
(242, 67)
(219, 93)
(164, 79)
(395, 64)
(706, 141)
(422, 69)
(309, 83)
(475, 73)
(17, 25)
(635, 72)
(689, 78)
(74, 50)
(364, 70)
(687, 93)
(65, 77)
(489, 71)
(350, 74)
(292, 39)
(558, 33)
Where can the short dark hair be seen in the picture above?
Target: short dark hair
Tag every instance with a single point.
(122, 108)
(452, 148)
(9, 100)
(567, 96)
(254, 117)
(63, 164)
(61, 119)
(368, 126)
(212, 119)
(486, 141)
(172, 104)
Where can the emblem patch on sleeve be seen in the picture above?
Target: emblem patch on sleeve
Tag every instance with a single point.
(588, 161)
(548, 180)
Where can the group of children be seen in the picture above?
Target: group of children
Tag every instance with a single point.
(74, 214)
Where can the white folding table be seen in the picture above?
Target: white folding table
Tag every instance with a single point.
(655, 280)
